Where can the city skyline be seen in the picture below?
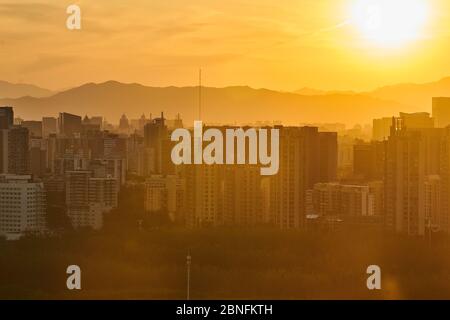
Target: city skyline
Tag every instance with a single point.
(239, 149)
(74, 149)
(382, 187)
(246, 105)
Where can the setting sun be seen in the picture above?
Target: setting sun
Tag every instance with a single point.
(390, 22)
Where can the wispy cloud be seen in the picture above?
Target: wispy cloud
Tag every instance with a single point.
(32, 12)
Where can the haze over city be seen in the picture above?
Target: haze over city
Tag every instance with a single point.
(239, 149)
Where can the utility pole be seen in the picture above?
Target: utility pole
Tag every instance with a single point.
(188, 263)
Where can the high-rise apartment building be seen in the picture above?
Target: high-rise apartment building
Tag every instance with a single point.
(339, 199)
(69, 125)
(38, 156)
(328, 156)
(115, 168)
(134, 155)
(165, 194)
(242, 195)
(204, 194)
(221, 194)
(34, 128)
(6, 117)
(432, 201)
(381, 128)
(302, 163)
(444, 183)
(368, 160)
(345, 156)
(441, 111)
(22, 206)
(157, 146)
(411, 155)
(376, 189)
(49, 126)
(14, 150)
(97, 120)
(417, 120)
(88, 197)
(124, 124)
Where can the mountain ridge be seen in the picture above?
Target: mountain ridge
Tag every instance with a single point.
(17, 90)
(413, 94)
(233, 104)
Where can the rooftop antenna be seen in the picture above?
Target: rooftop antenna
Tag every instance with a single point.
(199, 94)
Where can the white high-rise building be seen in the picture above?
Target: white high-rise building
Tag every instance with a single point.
(22, 206)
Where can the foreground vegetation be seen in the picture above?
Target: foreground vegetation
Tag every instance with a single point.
(261, 263)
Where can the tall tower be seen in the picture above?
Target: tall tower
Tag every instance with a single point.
(14, 150)
(441, 111)
(411, 156)
(6, 117)
(199, 94)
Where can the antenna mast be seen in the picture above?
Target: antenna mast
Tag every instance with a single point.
(199, 94)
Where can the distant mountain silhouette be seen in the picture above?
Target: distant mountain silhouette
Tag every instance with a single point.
(17, 90)
(219, 105)
(315, 92)
(310, 92)
(417, 95)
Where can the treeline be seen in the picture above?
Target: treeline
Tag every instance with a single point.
(257, 263)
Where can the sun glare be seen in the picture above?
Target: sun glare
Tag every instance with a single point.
(390, 22)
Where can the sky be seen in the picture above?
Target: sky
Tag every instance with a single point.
(276, 44)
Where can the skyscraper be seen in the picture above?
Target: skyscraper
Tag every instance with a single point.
(339, 199)
(88, 197)
(303, 163)
(48, 126)
(34, 128)
(381, 128)
(6, 117)
(203, 194)
(165, 194)
(38, 156)
(124, 124)
(14, 150)
(157, 146)
(327, 156)
(444, 183)
(432, 199)
(368, 160)
(69, 124)
(22, 206)
(441, 111)
(411, 155)
(242, 195)
(417, 120)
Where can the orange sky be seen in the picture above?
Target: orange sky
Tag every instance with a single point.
(282, 44)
